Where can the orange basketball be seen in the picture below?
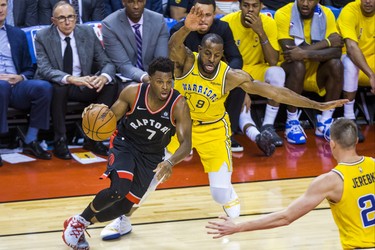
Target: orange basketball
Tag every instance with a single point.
(99, 123)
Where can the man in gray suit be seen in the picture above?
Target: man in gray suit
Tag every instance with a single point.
(130, 53)
(89, 10)
(22, 13)
(66, 55)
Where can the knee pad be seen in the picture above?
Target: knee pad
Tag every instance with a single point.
(220, 195)
(228, 198)
(275, 76)
(351, 74)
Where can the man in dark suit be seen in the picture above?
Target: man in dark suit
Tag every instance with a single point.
(67, 53)
(22, 13)
(18, 89)
(88, 10)
(131, 56)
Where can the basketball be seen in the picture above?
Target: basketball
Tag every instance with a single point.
(98, 123)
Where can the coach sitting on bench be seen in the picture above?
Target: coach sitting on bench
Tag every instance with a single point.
(66, 54)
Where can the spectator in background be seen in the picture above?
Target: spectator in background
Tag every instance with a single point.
(178, 9)
(18, 89)
(256, 37)
(335, 3)
(311, 60)
(22, 13)
(275, 4)
(67, 54)
(356, 24)
(111, 6)
(86, 10)
(133, 37)
(231, 53)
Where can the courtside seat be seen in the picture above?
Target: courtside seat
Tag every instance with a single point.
(17, 117)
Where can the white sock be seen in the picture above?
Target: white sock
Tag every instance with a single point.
(349, 110)
(292, 116)
(252, 133)
(245, 118)
(270, 116)
(327, 114)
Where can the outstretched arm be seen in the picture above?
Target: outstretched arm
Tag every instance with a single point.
(325, 186)
(278, 94)
(181, 115)
(181, 55)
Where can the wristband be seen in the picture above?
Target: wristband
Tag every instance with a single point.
(265, 42)
(170, 162)
(329, 42)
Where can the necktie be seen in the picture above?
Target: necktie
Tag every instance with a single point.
(68, 57)
(75, 5)
(138, 39)
(10, 17)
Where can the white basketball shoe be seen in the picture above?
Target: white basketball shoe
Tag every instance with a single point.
(117, 228)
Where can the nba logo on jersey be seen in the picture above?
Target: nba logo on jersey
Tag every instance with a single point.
(165, 115)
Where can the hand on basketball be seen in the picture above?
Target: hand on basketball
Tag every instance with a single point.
(220, 229)
(332, 104)
(92, 106)
(164, 169)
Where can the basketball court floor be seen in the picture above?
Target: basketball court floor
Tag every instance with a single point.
(36, 197)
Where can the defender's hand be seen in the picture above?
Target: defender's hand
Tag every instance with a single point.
(193, 19)
(332, 104)
(221, 229)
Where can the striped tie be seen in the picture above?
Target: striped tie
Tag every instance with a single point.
(138, 39)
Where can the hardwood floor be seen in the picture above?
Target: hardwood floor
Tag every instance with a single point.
(36, 197)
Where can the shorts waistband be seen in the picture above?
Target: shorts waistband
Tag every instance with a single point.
(210, 122)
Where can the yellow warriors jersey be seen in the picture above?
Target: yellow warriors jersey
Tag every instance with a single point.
(283, 21)
(354, 25)
(205, 97)
(248, 41)
(354, 214)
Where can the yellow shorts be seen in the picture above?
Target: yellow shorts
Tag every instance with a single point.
(257, 71)
(310, 84)
(363, 79)
(212, 142)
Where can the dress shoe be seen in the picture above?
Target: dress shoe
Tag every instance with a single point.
(96, 147)
(1, 161)
(34, 148)
(61, 150)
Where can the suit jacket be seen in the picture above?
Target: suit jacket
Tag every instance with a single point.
(25, 13)
(50, 59)
(20, 51)
(120, 45)
(92, 10)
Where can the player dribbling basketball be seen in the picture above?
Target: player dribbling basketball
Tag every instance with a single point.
(151, 113)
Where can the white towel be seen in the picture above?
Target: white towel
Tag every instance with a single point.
(318, 25)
